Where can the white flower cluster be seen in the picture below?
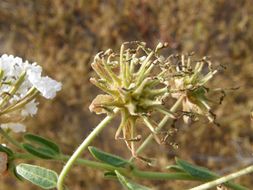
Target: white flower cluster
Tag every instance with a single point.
(20, 82)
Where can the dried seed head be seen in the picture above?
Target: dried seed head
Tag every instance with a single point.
(131, 83)
(187, 79)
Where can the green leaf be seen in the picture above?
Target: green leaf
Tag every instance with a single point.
(108, 158)
(42, 177)
(8, 151)
(196, 171)
(43, 142)
(40, 152)
(129, 185)
(176, 168)
(12, 168)
(110, 175)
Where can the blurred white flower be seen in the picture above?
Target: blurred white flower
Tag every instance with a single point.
(15, 127)
(20, 84)
(47, 86)
(12, 67)
(30, 109)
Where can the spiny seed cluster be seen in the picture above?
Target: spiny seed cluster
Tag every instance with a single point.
(130, 84)
(137, 81)
(187, 79)
(128, 81)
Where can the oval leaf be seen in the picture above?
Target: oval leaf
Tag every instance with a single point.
(108, 158)
(196, 171)
(42, 177)
(15, 173)
(43, 142)
(129, 185)
(39, 152)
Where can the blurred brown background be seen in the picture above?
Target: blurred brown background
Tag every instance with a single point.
(63, 36)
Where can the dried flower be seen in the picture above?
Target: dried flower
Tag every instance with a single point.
(188, 81)
(131, 84)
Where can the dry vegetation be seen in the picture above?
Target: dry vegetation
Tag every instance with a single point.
(64, 35)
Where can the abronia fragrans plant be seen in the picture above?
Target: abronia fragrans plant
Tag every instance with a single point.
(137, 83)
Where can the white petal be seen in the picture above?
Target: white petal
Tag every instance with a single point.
(15, 127)
(47, 86)
(30, 109)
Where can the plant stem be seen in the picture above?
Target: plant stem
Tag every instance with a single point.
(161, 176)
(21, 103)
(160, 126)
(224, 179)
(79, 161)
(13, 90)
(106, 167)
(82, 147)
(91, 164)
(10, 139)
(135, 173)
(235, 186)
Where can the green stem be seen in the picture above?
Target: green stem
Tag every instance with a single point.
(14, 89)
(235, 186)
(224, 179)
(81, 148)
(126, 171)
(136, 173)
(161, 176)
(32, 95)
(10, 139)
(91, 164)
(83, 162)
(160, 126)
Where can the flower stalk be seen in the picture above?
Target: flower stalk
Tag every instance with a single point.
(134, 173)
(10, 139)
(81, 148)
(160, 126)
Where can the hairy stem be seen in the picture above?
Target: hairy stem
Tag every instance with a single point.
(81, 148)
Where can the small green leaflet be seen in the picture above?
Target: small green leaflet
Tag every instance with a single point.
(40, 152)
(196, 171)
(42, 142)
(42, 177)
(202, 173)
(176, 168)
(110, 175)
(129, 185)
(108, 158)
